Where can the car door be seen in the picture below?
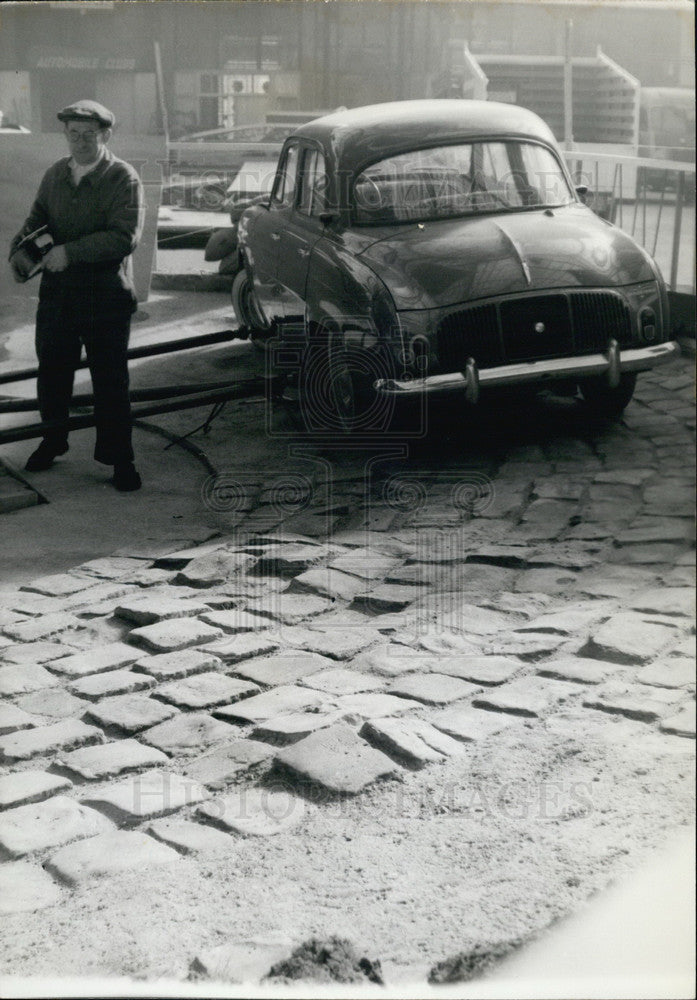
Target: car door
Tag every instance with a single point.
(302, 231)
(267, 235)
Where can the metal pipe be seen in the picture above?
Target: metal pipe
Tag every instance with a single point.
(136, 395)
(243, 390)
(150, 350)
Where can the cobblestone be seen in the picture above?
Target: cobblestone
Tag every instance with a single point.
(279, 700)
(678, 601)
(13, 719)
(256, 812)
(340, 681)
(33, 653)
(146, 796)
(49, 823)
(282, 668)
(54, 703)
(109, 854)
(149, 609)
(174, 634)
(335, 642)
(567, 621)
(25, 887)
(95, 661)
(235, 620)
(669, 673)
(575, 668)
(432, 688)
(416, 740)
(290, 609)
(24, 787)
(58, 585)
(172, 666)
(330, 583)
(222, 767)
(285, 729)
(631, 703)
(477, 669)
(388, 597)
(109, 759)
(187, 733)
(470, 724)
(336, 759)
(113, 682)
(244, 646)
(41, 627)
(373, 705)
(205, 691)
(628, 638)
(111, 567)
(215, 567)
(528, 696)
(190, 838)
(130, 712)
(46, 739)
(290, 560)
(365, 563)
(682, 723)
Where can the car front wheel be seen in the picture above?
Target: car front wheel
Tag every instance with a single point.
(336, 388)
(606, 401)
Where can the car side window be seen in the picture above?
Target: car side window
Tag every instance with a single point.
(284, 185)
(313, 186)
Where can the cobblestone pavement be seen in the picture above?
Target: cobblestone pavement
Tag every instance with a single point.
(345, 634)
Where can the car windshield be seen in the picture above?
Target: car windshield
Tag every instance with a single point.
(450, 181)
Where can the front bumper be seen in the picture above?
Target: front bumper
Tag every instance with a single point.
(610, 364)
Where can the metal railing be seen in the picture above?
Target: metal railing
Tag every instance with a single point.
(653, 200)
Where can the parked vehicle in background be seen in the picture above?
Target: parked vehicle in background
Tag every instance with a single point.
(433, 247)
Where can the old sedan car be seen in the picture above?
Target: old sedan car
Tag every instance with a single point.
(440, 246)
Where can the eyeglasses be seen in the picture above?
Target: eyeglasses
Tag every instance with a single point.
(87, 135)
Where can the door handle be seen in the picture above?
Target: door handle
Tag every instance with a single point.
(275, 237)
(303, 253)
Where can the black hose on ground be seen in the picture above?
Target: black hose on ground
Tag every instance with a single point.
(243, 390)
(147, 351)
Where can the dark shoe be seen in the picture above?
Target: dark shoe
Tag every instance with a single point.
(126, 478)
(43, 457)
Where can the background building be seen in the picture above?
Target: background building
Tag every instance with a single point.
(230, 62)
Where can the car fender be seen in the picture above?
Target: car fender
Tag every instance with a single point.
(345, 293)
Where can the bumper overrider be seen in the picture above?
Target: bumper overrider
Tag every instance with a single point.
(611, 364)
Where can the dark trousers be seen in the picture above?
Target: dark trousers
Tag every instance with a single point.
(62, 328)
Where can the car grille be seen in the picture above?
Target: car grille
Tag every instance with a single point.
(528, 329)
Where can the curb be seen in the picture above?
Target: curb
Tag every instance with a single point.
(203, 282)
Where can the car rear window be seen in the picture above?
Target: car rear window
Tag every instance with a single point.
(451, 181)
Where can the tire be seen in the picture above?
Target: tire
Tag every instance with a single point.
(606, 402)
(336, 389)
(245, 305)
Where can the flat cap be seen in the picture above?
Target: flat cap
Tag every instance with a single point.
(87, 111)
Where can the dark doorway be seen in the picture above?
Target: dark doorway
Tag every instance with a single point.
(59, 88)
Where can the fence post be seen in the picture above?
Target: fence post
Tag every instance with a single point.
(679, 196)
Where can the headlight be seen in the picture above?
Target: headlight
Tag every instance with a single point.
(645, 300)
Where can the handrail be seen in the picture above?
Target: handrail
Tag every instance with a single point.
(581, 151)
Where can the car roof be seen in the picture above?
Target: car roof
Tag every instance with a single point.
(360, 135)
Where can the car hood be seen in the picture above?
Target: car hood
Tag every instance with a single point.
(437, 264)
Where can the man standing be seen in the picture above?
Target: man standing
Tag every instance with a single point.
(92, 205)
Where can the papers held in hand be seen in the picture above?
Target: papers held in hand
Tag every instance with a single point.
(28, 258)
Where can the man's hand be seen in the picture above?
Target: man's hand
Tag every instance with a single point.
(18, 272)
(56, 259)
